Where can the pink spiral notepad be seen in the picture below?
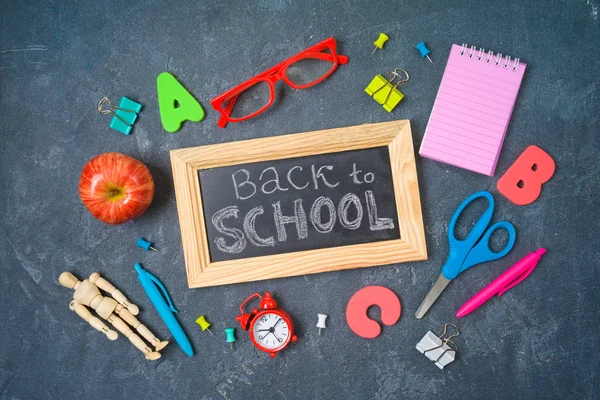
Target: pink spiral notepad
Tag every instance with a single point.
(472, 109)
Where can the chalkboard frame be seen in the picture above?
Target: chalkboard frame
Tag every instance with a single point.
(202, 272)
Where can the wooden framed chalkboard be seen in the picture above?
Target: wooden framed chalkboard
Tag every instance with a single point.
(299, 204)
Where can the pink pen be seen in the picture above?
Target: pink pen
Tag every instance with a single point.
(509, 278)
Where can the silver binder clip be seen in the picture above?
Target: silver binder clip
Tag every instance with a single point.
(439, 349)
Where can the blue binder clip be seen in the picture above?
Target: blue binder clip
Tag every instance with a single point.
(124, 115)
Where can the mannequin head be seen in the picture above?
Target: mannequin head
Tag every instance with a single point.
(68, 280)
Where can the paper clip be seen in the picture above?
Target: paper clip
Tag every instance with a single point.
(439, 349)
(124, 115)
(385, 91)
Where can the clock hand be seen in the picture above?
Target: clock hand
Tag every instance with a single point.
(279, 340)
(267, 334)
(263, 330)
(276, 322)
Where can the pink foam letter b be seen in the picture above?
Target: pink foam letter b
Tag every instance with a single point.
(522, 182)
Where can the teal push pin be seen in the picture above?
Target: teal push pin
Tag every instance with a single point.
(230, 336)
(144, 244)
(423, 50)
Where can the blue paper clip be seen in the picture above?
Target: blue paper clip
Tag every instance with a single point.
(124, 115)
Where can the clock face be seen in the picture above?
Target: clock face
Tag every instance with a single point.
(271, 331)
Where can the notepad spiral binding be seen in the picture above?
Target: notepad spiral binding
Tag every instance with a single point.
(472, 50)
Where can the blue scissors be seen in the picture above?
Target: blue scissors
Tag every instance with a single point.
(473, 250)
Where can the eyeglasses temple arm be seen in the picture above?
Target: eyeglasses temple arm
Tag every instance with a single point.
(327, 56)
(227, 111)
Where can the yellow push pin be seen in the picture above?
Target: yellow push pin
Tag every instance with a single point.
(204, 324)
(380, 42)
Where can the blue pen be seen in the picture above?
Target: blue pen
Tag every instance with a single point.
(149, 283)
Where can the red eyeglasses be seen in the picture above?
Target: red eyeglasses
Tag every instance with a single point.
(301, 71)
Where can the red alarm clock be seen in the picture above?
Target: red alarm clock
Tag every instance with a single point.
(271, 328)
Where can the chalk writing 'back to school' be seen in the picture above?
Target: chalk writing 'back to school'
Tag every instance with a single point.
(347, 211)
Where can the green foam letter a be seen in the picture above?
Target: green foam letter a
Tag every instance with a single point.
(175, 103)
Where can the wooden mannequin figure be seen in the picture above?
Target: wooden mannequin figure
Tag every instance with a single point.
(119, 312)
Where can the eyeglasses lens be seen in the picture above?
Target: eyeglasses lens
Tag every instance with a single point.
(251, 100)
(310, 69)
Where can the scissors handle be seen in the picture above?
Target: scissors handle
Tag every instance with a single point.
(480, 226)
(469, 252)
(481, 252)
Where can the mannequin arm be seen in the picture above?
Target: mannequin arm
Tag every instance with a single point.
(105, 285)
(95, 322)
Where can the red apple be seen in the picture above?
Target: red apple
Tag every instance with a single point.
(115, 188)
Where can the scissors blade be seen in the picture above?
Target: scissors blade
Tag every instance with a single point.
(432, 296)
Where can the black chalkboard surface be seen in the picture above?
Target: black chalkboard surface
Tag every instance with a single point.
(298, 204)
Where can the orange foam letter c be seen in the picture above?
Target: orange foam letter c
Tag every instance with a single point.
(356, 311)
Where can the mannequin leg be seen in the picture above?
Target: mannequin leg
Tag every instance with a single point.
(137, 341)
(95, 322)
(126, 315)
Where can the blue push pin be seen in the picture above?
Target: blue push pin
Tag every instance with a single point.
(144, 244)
(423, 50)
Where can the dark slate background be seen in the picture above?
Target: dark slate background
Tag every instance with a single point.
(57, 59)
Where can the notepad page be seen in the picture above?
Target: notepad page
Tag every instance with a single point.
(472, 110)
